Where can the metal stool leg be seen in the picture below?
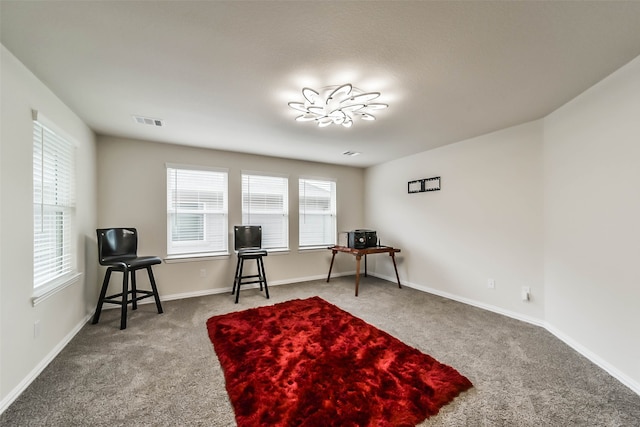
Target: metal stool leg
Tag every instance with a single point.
(125, 294)
(154, 288)
(103, 293)
(239, 279)
(235, 277)
(134, 302)
(260, 275)
(263, 277)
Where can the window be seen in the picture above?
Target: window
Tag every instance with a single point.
(196, 211)
(53, 207)
(265, 202)
(317, 213)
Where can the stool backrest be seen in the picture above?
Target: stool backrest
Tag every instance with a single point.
(247, 237)
(116, 243)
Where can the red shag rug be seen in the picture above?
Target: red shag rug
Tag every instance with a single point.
(309, 363)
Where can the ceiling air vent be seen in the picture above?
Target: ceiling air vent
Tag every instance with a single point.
(148, 121)
(351, 153)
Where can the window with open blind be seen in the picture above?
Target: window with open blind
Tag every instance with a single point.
(53, 206)
(265, 202)
(317, 200)
(197, 211)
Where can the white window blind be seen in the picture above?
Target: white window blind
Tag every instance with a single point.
(53, 206)
(265, 202)
(196, 211)
(317, 213)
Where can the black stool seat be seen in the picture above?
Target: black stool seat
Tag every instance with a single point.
(252, 253)
(131, 262)
(117, 249)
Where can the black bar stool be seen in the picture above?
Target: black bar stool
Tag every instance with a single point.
(248, 244)
(117, 249)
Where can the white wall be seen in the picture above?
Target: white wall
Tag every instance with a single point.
(592, 222)
(484, 223)
(21, 355)
(132, 192)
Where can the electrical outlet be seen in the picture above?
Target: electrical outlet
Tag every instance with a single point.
(203, 272)
(36, 329)
(491, 284)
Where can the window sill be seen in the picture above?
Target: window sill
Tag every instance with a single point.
(277, 251)
(272, 251)
(43, 292)
(314, 248)
(172, 259)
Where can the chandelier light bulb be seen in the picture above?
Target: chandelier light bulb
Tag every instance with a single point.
(337, 105)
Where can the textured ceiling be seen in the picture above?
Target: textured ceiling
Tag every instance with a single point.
(220, 74)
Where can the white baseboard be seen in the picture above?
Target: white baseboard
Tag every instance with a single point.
(26, 381)
(225, 290)
(595, 359)
(484, 306)
(614, 372)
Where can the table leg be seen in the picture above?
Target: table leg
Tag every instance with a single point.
(331, 266)
(365, 265)
(357, 272)
(393, 257)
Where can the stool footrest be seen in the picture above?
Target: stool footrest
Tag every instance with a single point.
(111, 298)
(253, 281)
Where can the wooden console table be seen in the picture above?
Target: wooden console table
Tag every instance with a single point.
(359, 253)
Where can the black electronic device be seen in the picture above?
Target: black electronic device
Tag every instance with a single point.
(361, 239)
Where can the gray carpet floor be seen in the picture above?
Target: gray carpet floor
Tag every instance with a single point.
(162, 370)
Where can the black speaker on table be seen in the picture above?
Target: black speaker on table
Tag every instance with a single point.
(361, 239)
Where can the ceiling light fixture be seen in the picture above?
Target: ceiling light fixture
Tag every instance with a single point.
(337, 105)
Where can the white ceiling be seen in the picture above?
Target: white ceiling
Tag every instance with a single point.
(220, 74)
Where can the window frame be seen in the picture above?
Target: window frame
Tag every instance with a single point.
(302, 208)
(54, 163)
(283, 241)
(178, 250)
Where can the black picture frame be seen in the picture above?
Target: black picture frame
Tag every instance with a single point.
(423, 185)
